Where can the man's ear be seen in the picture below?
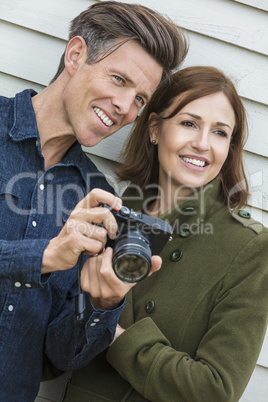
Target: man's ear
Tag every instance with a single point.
(153, 127)
(75, 54)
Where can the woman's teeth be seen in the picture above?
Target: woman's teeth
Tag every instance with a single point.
(195, 162)
(103, 117)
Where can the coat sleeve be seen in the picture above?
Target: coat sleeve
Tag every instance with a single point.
(227, 353)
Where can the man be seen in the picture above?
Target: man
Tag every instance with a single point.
(50, 191)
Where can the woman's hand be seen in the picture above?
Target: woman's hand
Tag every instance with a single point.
(119, 330)
(99, 280)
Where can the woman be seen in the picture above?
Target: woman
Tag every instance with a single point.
(192, 331)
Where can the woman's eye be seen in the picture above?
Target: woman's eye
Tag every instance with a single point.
(221, 133)
(187, 123)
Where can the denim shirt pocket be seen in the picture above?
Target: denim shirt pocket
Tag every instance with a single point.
(6, 187)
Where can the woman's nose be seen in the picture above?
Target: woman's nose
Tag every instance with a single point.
(201, 141)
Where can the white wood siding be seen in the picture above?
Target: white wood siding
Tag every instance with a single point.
(229, 34)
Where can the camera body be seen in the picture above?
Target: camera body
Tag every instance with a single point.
(138, 237)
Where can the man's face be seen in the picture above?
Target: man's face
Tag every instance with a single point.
(101, 98)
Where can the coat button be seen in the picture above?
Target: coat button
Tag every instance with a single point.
(244, 214)
(149, 306)
(185, 232)
(188, 209)
(176, 255)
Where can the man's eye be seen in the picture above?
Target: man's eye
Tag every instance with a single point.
(118, 79)
(140, 100)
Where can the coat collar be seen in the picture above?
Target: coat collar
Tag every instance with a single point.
(195, 210)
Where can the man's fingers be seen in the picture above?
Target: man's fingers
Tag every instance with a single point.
(98, 220)
(97, 196)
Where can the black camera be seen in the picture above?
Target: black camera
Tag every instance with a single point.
(138, 237)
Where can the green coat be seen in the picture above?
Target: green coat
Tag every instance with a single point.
(195, 328)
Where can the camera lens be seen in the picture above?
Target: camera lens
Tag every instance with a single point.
(132, 257)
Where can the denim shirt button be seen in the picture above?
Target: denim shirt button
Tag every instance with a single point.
(41, 187)
(10, 308)
(34, 224)
(28, 285)
(93, 324)
(17, 284)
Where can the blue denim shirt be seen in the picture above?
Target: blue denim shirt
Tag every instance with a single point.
(36, 312)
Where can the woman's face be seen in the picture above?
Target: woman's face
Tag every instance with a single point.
(193, 145)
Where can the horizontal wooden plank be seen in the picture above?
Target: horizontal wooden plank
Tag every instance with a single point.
(261, 4)
(110, 148)
(10, 85)
(228, 21)
(47, 16)
(220, 20)
(263, 358)
(247, 69)
(257, 173)
(257, 388)
(261, 216)
(257, 116)
(27, 55)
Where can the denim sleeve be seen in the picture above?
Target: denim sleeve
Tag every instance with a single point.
(71, 344)
(20, 264)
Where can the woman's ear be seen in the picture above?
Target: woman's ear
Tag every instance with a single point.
(75, 54)
(153, 128)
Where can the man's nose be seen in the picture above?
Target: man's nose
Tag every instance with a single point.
(125, 104)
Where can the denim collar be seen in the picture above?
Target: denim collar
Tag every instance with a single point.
(25, 127)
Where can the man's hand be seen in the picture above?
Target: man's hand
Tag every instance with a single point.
(80, 232)
(99, 280)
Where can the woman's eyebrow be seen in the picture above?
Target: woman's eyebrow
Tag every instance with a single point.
(195, 116)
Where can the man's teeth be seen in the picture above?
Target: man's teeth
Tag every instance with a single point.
(103, 117)
(195, 162)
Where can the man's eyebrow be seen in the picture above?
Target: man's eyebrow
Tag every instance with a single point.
(195, 116)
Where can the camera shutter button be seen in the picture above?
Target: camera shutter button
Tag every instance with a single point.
(125, 211)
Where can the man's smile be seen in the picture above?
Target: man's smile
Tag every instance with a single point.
(105, 119)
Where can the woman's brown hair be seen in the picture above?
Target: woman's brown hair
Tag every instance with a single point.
(139, 158)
